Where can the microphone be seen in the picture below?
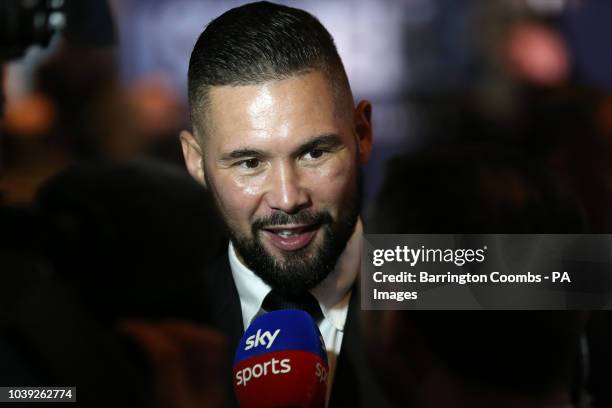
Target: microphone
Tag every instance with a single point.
(281, 362)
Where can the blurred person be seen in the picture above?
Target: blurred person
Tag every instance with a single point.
(519, 45)
(97, 116)
(107, 292)
(158, 114)
(516, 51)
(563, 129)
(537, 53)
(78, 112)
(43, 127)
(46, 338)
(67, 105)
(131, 237)
(581, 158)
(484, 358)
(487, 189)
(278, 142)
(580, 154)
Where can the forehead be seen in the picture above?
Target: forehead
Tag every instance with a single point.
(276, 113)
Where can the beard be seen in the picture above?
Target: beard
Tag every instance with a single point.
(303, 269)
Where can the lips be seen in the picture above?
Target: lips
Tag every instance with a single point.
(291, 237)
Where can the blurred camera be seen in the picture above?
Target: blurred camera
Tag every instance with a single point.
(28, 22)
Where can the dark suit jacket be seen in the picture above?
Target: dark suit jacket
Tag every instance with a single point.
(353, 386)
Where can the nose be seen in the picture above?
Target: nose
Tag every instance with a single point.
(285, 191)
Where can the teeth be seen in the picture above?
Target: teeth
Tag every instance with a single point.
(286, 233)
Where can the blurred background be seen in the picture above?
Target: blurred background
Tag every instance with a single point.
(533, 74)
(455, 85)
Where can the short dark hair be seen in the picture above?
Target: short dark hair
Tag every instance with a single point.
(256, 43)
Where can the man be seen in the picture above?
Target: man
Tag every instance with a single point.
(279, 143)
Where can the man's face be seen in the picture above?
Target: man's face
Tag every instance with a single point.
(282, 160)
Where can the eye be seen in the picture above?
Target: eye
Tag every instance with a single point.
(249, 164)
(314, 154)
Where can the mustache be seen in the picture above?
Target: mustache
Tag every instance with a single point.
(302, 217)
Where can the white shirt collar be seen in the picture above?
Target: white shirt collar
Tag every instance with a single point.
(333, 293)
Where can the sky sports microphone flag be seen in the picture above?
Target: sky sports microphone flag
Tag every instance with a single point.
(281, 362)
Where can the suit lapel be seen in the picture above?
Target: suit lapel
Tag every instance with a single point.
(354, 385)
(345, 391)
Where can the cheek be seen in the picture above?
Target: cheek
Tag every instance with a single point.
(331, 185)
(238, 199)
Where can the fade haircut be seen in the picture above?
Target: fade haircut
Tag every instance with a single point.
(257, 43)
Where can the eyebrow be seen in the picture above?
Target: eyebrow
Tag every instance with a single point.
(326, 140)
(242, 153)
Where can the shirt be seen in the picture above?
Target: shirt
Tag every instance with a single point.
(333, 295)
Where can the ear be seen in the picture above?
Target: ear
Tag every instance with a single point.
(193, 156)
(363, 130)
